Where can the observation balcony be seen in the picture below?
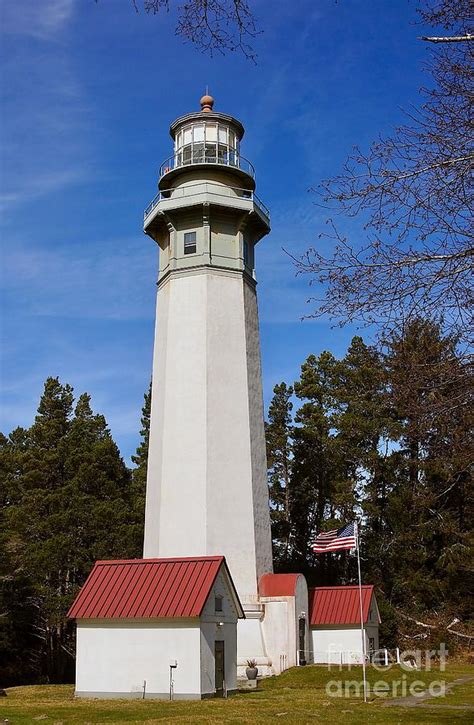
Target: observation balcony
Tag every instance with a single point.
(225, 195)
(204, 155)
(205, 192)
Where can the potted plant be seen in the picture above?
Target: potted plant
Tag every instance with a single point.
(251, 670)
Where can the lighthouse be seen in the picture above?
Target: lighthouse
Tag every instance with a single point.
(204, 599)
(207, 488)
(207, 480)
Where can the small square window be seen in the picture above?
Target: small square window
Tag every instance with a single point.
(218, 604)
(190, 242)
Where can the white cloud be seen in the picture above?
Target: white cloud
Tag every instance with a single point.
(34, 186)
(42, 19)
(44, 111)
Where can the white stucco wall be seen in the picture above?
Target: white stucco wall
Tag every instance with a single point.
(341, 645)
(207, 489)
(113, 658)
(372, 631)
(281, 627)
(372, 626)
(279, 632)
(251, 643)
(175, 513)
(260, 502)
(302, 607)
(337, 645)
(210, 633)
(217, 626)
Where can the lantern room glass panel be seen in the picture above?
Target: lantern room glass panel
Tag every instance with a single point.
(198, 133)
(206, 142)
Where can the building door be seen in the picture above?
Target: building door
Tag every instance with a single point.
(219, 665)
(301, 643)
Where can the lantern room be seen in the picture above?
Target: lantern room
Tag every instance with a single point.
(206, 138)
(211, 142)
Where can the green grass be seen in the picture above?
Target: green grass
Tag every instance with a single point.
(297, 696)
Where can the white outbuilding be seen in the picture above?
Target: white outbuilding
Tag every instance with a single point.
(336, 631)
(157, 628)
(285, 626)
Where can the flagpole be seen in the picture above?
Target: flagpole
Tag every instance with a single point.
(361, 614)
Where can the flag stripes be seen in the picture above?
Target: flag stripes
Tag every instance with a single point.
(335, 540)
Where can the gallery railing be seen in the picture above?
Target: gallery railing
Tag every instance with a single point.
(199, 155)
(209, 188)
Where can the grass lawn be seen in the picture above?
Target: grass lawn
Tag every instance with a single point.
(298, 696)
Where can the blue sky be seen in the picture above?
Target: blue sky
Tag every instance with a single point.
(89, 91)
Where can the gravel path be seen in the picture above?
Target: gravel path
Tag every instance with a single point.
(417, 700)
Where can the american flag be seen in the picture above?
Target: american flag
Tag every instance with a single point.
(336, 540)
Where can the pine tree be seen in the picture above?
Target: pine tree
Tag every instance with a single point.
(364, 427)
(320, 465)
(387, 438)
(139, 475)
(278, 431)
(69, 504)
(18, 615)
(431, 502)
(321, 494)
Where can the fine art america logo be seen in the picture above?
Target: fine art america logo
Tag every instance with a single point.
(409, 661)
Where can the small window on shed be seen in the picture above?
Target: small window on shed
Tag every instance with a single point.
(218, 603)
(190, 242)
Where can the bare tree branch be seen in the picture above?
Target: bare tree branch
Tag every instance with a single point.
(413, 254)
(212, 25)
(448, 39)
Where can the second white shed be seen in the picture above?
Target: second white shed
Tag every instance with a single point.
(336, 632)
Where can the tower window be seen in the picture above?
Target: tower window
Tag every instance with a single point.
(190, 242)
(246, 253)
(218, 604)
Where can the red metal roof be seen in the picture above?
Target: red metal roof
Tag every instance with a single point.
(338, 605)
(278, 585)
(142, 588)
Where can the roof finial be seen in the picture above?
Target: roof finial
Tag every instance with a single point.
(207, 102)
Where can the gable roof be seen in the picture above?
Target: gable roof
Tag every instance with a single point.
(150, 588)
(339, 605)
(278, 585)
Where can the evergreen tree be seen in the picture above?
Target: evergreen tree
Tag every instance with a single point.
(315, 459)
(18, 614)
(337, 445)
(387, 439)
(429, 511)
(68, 504)
(278, 431)
(139, 476)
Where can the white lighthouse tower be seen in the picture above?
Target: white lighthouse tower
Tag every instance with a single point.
(207, 480)
(204, 599)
